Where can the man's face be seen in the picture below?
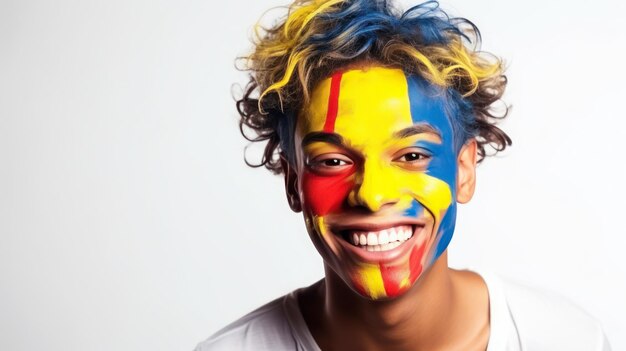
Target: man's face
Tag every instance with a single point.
(376, 172)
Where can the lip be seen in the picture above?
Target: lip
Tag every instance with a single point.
(388, 256)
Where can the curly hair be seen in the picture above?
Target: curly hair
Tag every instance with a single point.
(317, 37)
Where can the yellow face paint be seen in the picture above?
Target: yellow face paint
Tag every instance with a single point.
(377, 164)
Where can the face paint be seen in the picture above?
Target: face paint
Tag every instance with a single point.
(377, 168)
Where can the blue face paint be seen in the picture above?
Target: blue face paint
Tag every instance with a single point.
(428, 106)
(415, 210)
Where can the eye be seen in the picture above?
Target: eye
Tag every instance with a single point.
(333, 162)
(330, 163)
(413, 156)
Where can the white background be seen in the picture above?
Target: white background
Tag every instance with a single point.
(128, 220)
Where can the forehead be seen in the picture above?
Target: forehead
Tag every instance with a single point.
(364, 105)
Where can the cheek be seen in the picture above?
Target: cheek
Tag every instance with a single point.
(431, 193)
(416, 210)
(326, 194)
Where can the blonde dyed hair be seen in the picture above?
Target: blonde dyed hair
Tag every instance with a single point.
(317, 37)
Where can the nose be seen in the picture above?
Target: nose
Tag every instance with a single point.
(377, 187)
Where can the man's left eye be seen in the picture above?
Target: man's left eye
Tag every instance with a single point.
(413, 157)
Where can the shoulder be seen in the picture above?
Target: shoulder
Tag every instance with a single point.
(548, 321)
(265, 328)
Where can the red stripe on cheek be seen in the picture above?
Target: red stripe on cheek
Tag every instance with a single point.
(333, 103)
(325, 194)
(415, 262)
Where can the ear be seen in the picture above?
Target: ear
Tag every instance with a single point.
(466, 177)
(291, 184)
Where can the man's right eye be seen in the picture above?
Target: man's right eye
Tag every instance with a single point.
(330, 164)
(333, 162)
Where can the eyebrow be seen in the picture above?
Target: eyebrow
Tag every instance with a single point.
(416, 129)
(336, 139)
(331, 138)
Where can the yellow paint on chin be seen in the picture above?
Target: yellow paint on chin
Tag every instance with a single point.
(372, 281)
(405, 283)
(368, 275)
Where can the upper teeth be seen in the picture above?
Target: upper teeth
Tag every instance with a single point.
(385, 239)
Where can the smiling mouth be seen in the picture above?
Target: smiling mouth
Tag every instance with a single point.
(378, 240)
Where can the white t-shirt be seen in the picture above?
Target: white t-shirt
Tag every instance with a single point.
(521, 319)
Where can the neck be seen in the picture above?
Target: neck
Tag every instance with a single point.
(424, 318)
(412, 321)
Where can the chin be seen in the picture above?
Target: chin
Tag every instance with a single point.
(379, 260)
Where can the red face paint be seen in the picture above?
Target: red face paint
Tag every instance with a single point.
(393, 276)
(415, 262)
(326, 194)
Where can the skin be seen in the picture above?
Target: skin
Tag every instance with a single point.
(375, 150)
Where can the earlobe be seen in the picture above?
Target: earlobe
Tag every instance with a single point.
(466, 177)
(291, 184)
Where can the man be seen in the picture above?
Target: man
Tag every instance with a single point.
(377, 120)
